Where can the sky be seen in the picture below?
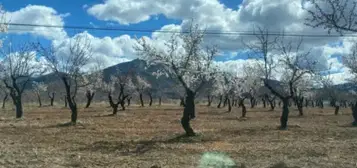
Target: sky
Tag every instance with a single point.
(114, 47)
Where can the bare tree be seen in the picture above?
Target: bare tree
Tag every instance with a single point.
(124, 85)
(338, 15)
(94, 81)
(38, 88)
(350, 61)
(18, 66)
(224, 86)
(70, 68)
(184, 60)
(295, 62)
(142, 86)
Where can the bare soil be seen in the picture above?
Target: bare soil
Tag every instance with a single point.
(150, 136)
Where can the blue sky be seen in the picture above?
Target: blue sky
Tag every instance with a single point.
(220, 15)
(79, 15)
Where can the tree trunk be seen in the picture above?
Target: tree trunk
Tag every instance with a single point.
(128, 100)
(279, 103)
(51, 101)
(264, 103)
(220, 101)
(52, 98)
(122, 104)
(299, 101)
(39, 100)
(141, 99)
(300, 109)
(229, 105)
(18, 105)
(182, 102)
(252, 102)
(71, 101)
(306, 103)
(112, 104)
(225, 101)
(19, 110)
(90, 96)
(73, 106)
(150, 97)
(285, 115)
(4, 100)
(188, 113)
(354, 114)
(160, 101)
(65, 101)
(272, 105)
(244, 109)
(337, 108)
(209, 100)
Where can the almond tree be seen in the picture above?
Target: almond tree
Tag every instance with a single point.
(17, 67)
(338, 15)
(94, 81)
(341, 16)
(142, 86)
(224, 85)
(38, 88)
(120, 83)
(350, 61)
(184, 59)
(272, 52)
(70, 68)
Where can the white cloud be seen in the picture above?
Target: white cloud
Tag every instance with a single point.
(37, 14)
(110, 51)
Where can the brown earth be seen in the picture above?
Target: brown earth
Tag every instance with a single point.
(150, 136)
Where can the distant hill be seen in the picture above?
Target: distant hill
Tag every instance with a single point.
(163, 83)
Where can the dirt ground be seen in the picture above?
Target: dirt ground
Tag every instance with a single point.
(150, 136)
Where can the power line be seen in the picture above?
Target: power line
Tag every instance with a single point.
(229, 33)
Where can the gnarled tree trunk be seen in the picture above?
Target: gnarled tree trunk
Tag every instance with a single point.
(285, 114)
(182, 102)
(337, 109)
(39, 99)
(65, 101)
(244, 109)
(252, 102)
(225, 101)
(4, 100)
(188, 113)
(112, 104)
(220, 101)
(52, 98)
(141, 99)
(354, 113)
(90, 96)
(264, 103)
(229, 105)
(150, 97)
(209, 99)
(128, 100)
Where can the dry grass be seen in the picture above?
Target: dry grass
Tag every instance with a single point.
(146, 137)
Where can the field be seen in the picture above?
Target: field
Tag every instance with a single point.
(150, 137)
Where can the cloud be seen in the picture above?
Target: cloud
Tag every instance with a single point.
(37, 14)
(109, 51)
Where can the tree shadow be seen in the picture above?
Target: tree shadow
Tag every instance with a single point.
(67, 124)
(126, 148)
